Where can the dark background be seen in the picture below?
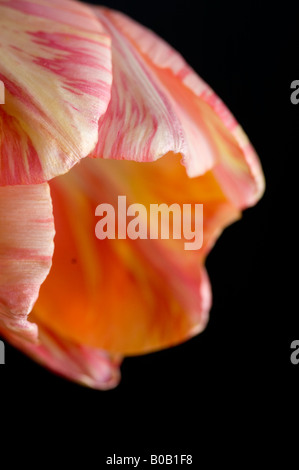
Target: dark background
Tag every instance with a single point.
(236, 377)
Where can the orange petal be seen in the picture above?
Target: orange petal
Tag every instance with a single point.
(26, 249)
(56, 68)
(128, 296)
(159, 104)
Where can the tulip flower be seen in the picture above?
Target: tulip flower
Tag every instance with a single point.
(98, 106)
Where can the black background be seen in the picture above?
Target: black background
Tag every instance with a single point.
(236, 377)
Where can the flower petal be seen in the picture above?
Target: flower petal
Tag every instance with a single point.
(56, 68)
(128, 296)
(159, 104)
(26, 248)
(90, 367)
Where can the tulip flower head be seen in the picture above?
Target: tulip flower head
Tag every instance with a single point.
(97, 108)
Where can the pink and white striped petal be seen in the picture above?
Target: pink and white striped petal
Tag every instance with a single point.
(56, 68)
(26, 249)
(159, 104)
(140, 123)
